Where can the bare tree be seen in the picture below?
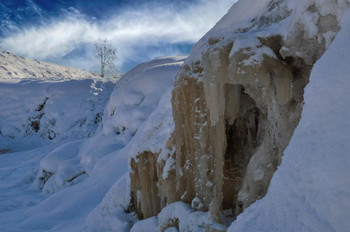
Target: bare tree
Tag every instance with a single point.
(107, 56)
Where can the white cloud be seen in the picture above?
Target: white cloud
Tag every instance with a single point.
(129, 30)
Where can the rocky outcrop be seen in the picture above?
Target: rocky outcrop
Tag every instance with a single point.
(236, 103)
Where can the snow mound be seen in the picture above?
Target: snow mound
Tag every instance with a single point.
(137, 94)
(178, 216)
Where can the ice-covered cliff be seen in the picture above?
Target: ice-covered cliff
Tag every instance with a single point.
(310, 191)
(236, 103)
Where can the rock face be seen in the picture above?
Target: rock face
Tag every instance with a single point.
(236, 103)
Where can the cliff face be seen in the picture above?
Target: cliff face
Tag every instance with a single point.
(236, 103)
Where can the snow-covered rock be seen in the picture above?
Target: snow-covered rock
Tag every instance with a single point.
(310, 191)
(236, 103)
(36, 111)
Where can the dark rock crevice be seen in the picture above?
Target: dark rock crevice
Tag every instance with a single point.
(243, 137)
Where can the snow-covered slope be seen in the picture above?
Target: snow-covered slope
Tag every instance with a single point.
(137, 94)
(42, 101)
(35, 111)
(17, 67)
(80, 183)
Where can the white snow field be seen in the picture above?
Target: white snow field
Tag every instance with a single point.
(68, 171)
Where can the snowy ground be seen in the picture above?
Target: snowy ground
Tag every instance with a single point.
(76, 180)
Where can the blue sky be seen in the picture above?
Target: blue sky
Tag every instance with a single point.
(64, 31)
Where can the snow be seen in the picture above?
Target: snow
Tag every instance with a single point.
(310, 191)
(239, 16)
(138, 93)
(111, 211)
(186, 218)
(79, 181)
(65, 166)
(155, 132)
(256, 51)
(14, 68)
(149, 224)
(181, 215)
(280, 17)
(35, 111)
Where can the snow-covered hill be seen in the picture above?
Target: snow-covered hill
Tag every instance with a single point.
(54, 185)
(14, 67)
(41, 101)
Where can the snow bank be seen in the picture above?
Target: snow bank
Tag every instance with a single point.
(111, 212)
(156, 130)
(310, 191)
(178, 216)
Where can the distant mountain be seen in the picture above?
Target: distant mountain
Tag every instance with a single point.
(18, 67)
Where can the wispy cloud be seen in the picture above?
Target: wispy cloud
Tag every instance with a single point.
(129, 30)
